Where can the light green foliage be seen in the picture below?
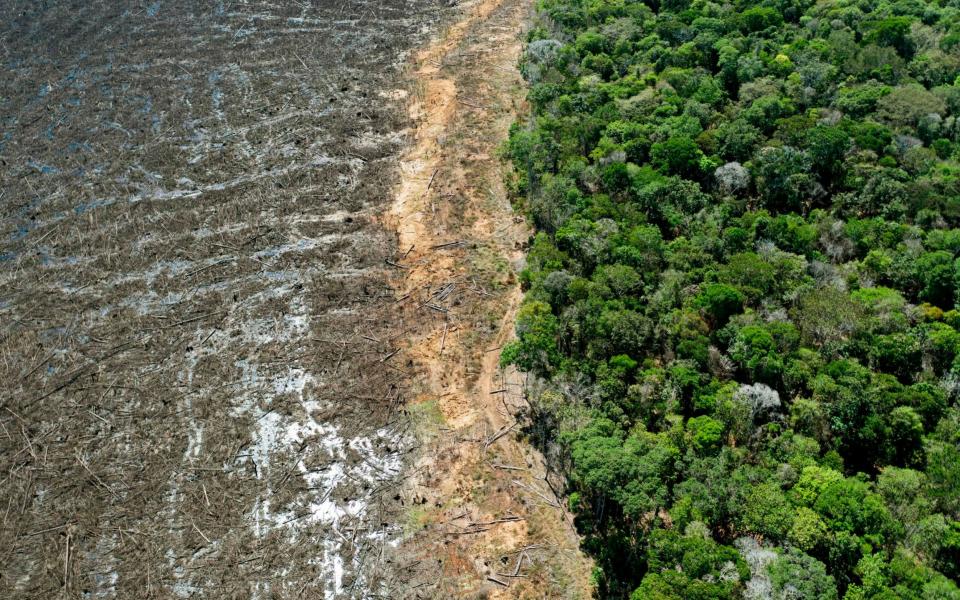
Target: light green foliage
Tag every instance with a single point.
(690, 566)
(798, 575)
(813, 481)
(872, 570)
(808, 530)
(849, 505)
(767, 512)
(902, 491)
(631, 471)
(706, 433)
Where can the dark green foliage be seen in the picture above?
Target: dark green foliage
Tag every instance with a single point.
(536, 349)
(677, 156)
(892, 31)
(742, 302)
(720, 302)
(827, 147)
(759, 18)
(784, 178)
(690, 566)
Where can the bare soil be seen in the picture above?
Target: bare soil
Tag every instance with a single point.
(256, 265)
(483, 517)
(197, 327)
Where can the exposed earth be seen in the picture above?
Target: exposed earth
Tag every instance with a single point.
(256, 261)
(487, 519)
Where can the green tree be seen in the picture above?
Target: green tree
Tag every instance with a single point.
(705, 433)
(749, 273)
(755, 350)
(893, 32)
(861, 100)
(935, 272)
(738, 139)
(808, 530)
(767, 511)
(759, 18)
(943, 463)
(536, 347)
(690, 566)
(677, 156)
(813, 481)
(783, 177)
(719, 302)
(903, 492)
(906, 437)
(827, 146)
(905, 106)
(798, 575)
(765, 348)
(849, 505)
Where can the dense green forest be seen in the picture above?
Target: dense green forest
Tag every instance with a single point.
(741, 297)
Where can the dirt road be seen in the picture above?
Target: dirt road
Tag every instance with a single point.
(482, 517)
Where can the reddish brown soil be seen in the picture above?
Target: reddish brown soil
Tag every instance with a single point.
(483, 521)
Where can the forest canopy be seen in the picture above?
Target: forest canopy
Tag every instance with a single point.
(741, 299)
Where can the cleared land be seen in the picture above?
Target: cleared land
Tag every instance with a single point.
(196, 320)
(483, 514)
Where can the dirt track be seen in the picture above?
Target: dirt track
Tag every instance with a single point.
(483, 520)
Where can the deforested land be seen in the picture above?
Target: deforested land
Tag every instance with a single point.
(257, 264)
(195, 307)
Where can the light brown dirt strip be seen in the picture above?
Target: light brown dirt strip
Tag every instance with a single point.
(482, 520)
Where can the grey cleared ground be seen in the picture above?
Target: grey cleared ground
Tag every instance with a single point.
(195, 316)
